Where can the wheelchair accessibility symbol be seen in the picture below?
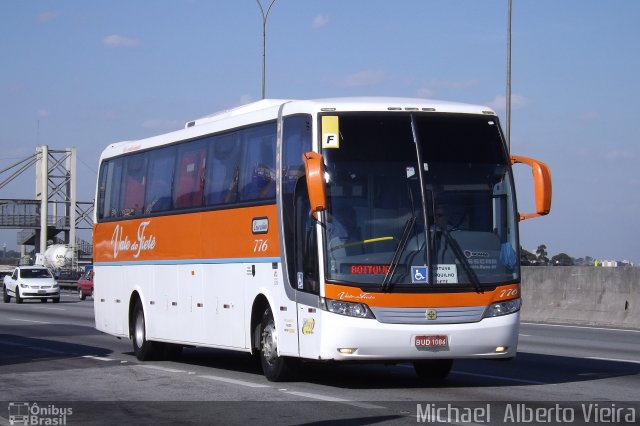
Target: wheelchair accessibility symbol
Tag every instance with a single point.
(419, 274)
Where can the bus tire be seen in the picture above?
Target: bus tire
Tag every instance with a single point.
(433, 369)
(274, 367)
(143, 349)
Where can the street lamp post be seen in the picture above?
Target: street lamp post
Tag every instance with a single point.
(264, 41)
(508, 97)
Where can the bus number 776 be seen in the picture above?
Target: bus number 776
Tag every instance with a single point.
(260, 245)
(508, 292)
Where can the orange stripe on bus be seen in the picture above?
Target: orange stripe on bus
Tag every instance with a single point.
(219, 234)
(420, 300)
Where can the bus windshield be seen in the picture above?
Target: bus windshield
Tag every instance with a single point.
(408, 190)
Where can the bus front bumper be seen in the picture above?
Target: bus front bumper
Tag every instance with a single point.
(348, 338)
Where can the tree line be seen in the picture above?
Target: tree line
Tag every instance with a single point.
(541, 258)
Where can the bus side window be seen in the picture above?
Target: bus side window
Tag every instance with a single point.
(190, 175)
(134, 183)
(223, 170)
(160, 178)
(258, 174)
(108, 199)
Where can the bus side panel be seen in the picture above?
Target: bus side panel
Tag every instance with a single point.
(310, 331)
(224, 310)
(100, 295)
(268, 281)
(165, 279)
(193, 302)
(189, 289)
(110, 306)
(287, 318)
(175, 304)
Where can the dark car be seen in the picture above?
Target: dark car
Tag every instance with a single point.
(85, 284)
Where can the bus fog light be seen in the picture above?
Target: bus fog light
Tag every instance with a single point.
(502, 308)
(347, 351)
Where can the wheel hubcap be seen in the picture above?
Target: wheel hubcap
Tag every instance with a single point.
(269, 343)
(139, 330)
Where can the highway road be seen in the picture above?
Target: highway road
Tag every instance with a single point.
(55, 365)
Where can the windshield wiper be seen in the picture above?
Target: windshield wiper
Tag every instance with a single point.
(463, 260)
(408, 227)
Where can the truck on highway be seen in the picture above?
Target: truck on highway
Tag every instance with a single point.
(56, 257)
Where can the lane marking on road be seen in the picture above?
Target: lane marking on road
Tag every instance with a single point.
(54, 309)
(613, 359)
(99, 358)
(165, 369)
(26, 320)
(488, 376)
(525, 335)
(582, 326)
(507, 379)
(235, 382)
(334, 399)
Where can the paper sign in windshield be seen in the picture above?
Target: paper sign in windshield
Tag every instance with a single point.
(330, 132)
(446, 274)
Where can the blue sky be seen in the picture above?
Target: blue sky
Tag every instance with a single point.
(87, 73)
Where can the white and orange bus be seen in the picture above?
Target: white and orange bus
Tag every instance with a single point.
(351, 229)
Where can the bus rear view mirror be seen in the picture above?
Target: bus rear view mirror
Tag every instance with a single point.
(542, 185)
(314, 168)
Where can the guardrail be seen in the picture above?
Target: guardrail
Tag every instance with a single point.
(68, 284)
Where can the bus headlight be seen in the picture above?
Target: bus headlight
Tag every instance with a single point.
(502, 308)
(359, 310)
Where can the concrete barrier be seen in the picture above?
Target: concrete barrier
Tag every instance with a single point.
(606, 297)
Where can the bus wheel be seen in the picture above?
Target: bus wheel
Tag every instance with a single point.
(143, 349)
(275, 368)
(433, 369)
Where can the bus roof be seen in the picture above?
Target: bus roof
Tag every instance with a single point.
(267, 109)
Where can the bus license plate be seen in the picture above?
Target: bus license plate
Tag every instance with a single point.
(432, 343)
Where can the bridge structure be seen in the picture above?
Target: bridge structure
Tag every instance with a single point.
(54, 214)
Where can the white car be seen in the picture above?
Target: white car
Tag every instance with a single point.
(30, 282)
